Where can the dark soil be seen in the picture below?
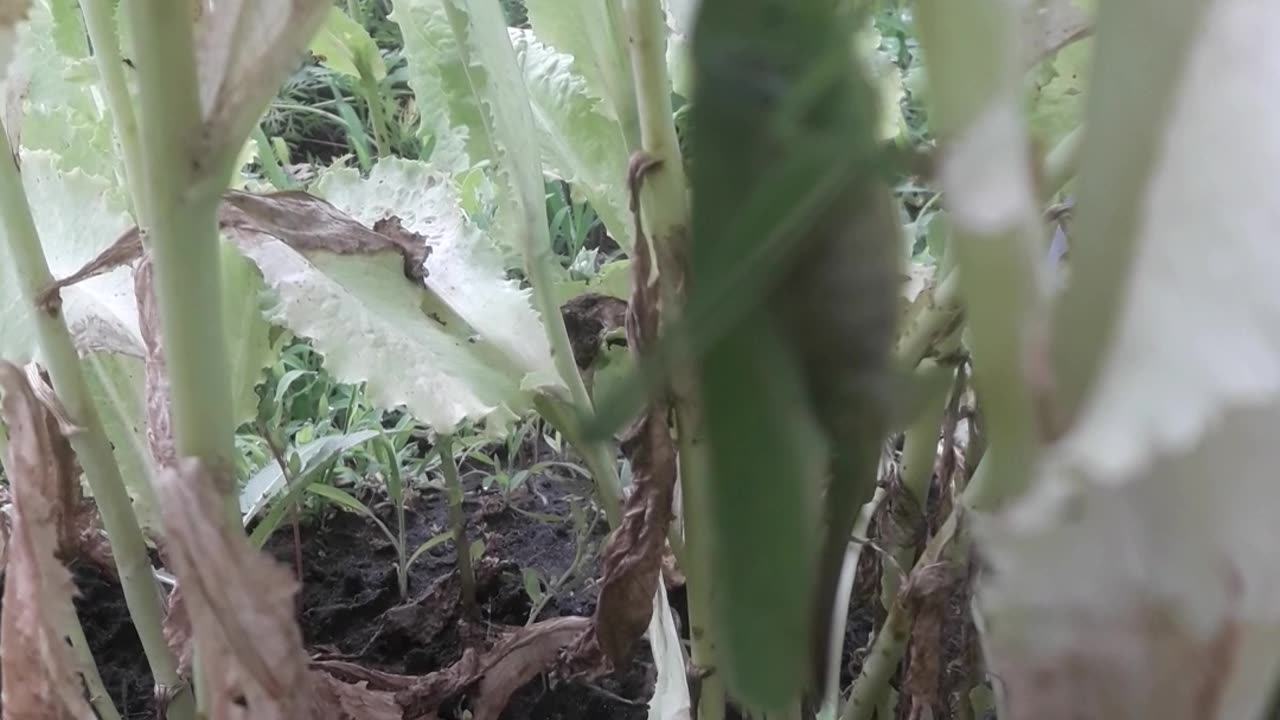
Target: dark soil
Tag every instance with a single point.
(349, 605)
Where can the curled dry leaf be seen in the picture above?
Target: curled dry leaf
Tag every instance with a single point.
(631, 562)
(241, 605)
(159, 416)
(495, 675)
(35, 660)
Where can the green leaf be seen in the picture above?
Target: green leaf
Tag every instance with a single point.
(473, 73)
(594, 35)
(477, 549)
(532, 584)
(792, 227)
(580, 143)
(441, 86)
(342, 499)
(77, 217)
(429, 545)
(1058, 97)
(269, 482)
(483, 364)
(344, 46)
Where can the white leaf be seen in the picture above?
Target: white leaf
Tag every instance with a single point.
(373, 325)
(671, 692)
(1137, 578)
(580, 143)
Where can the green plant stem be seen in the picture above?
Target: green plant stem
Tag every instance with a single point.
(270, 163)
(99, 19)
(183, 193)
(664, 208)
(1062, 163)
(454, 485)
(377, 113)
(950, 544)
(919, 451)
(999, 246)
(95, 689)
(142, 596)
(597, 456)
(840, 616)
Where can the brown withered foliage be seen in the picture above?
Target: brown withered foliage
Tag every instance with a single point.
(631, 561)
(39, 671)
(159, 415)
(302, 221)
(241, 605)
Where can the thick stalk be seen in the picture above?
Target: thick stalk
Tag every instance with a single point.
(183, 195)
(1062, 163)
(93, 685)
(142, 595)
(999, 243)
(951, 543)
(665, 210)
(99, 20)
(919, 451)
(454, 485)
(598, 456)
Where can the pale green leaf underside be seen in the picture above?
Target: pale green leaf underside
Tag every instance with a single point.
(77, 216)
(370, 323)
(1159, 502)
(671, 692)
(591, 33)
(344, 45)
(580, 143)
(440, 86)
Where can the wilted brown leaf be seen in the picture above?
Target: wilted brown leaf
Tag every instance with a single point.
(631, 562)
(245, 49)
(35, 661)
(64, 471)
(354, 701)
(302, 221)
(307, 223)
(241, 605)
(159, 415)
(493, 676)
(177, 631)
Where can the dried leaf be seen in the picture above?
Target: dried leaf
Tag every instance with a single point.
(241, 603)
(64, 477)
(497, 673)
(35, 661)
(246, 48)
(177, 631)
(631, 562)
(306, 223)
(159, 414)
(354, 701)
(518, 660)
